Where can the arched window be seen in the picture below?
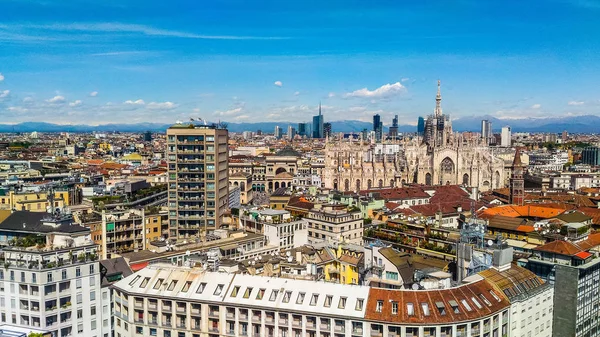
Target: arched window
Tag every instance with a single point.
(369, 184)
(380, 183)
(335, 184)
(346, 185)
(358, 184)
(465, 180)
(428, 179)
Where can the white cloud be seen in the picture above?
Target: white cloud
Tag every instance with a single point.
(385, 90)
(278, 83)
(405, 79)
(75, 103)
(27, 99)
(576, 103)
(1, 77)
(297, 93)
(230, 112)
(4, 94)
(241, 117)
(56, 100)
(111, 27)
(161, 105)
(536, 106)
(17, 109)
(93, 93)
(137, 102)
(196, 110)
(331, 94)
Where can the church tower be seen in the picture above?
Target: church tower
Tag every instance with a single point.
(517, 183)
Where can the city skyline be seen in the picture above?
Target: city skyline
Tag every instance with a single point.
(113, 62)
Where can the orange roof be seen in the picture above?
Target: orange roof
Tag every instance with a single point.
(560, 247)
(444, 298)
(525, 228)
(514, 211)
(95, 162)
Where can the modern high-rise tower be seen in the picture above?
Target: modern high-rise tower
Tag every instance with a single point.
(394, 128)
(421, 126)
(505, 137)
(317, 125)
(377, 128)
(486, 131)
(197, 158)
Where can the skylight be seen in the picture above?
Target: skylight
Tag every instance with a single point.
(201, 288)
(172, 285)
(273, 296)
(314, 299)
(476, 302)
(137, 277)
(425, 308)
(218, 290)
(300, 298)
(186, 286)
(261, 293)
(342, 303)
(466, 304)
(235, 291)
(410, 309)
(286, 296)
(328, 300)
(359, 304)
(158, 283)
(144, 282)
(248, 292)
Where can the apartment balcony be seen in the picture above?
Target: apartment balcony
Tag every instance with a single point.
(283, 321)
(230, 315)
(376, 333)
(256, 319)
(297, 323)
(153, 321)
(243, 316)
(339, 328)
(357, 332)
(325, 327)
(213, 313)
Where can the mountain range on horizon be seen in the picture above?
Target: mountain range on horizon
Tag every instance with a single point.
(571, 124)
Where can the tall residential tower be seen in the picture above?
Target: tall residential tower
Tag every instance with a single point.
(198, 178)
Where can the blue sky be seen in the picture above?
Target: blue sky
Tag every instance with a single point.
(98, 62)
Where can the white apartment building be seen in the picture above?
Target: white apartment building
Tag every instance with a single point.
(53, 285)
(162, 300)
(334, 223)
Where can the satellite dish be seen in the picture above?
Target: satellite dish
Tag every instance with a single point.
(415, 286)
(288, 253)
(490, 242)
(290, 259)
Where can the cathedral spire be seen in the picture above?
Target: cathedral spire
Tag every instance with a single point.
(438, 102)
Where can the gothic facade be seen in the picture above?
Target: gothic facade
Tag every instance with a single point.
(439, 157)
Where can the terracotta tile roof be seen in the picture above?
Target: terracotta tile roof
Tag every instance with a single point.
(561, 247)
(399, 193)
(95, 162)
(447, 299)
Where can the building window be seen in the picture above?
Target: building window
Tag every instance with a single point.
(328, 300)
(410, 309)
(273, 296)
(286, 296)
(93, 296)
(314, 299)
(359, 304)
(394, 308)
(300, 298)
(379, 307)
(77, 272)
(79, 298)
(342, 303)
(91, 268)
